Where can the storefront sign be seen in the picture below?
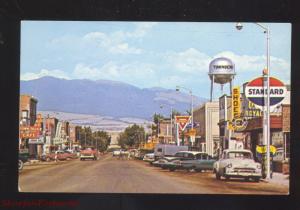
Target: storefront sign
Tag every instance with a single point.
(263, 149)
(35, 141)
(286, 118)
(236, 103)
(256, 91)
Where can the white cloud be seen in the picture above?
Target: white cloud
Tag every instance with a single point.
(141, 29)
(245, 63)
(193, 62)
(131, 73)
(189, 61)
(112, 43)
(44, 72)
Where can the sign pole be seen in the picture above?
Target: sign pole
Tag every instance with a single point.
(268, 104)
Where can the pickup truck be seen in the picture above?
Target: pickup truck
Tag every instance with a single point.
(88, 153)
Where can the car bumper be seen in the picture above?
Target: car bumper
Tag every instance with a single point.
(243, 174)
(87, 157)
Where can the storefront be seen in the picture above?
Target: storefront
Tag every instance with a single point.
(35, 147)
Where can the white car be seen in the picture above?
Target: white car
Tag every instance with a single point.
(238, 164)
(149, 157)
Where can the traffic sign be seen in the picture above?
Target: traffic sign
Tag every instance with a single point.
(255, 91)
(182, 121)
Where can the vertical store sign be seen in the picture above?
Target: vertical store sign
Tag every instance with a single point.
(236, 103)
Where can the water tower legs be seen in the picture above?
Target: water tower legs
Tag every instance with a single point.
(212, 87)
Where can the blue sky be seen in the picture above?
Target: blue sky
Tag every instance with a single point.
(151, 54)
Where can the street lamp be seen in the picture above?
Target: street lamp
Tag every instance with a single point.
(266, 107)
(192, 102)
(161, 106)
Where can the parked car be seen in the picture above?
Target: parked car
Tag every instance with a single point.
(70, 154)
(149, 157)
(239, 164)
(142, 152)
(167, 150)
(60, 155)
(23, 158)
(171, 162)
(88, 153)
(197, 161)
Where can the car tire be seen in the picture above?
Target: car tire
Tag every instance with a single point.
(172, 169)
(218, 176)
(21, 165)
(256, 179)
(198, 170)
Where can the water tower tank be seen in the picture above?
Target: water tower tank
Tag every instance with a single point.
(221, 71)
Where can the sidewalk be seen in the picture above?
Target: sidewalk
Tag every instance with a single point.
(279, 178)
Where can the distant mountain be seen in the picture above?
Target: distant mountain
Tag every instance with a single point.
(104, 97)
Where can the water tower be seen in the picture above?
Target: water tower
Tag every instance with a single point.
(221, 71)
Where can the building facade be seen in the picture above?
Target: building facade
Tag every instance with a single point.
(74, 136)
(166, 132)
(27, 110)
(207, 133)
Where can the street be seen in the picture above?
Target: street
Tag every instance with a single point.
(112, 175)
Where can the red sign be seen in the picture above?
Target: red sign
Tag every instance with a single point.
(255, 91)
(182, 121)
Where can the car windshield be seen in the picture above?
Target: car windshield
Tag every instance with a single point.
(244, 155)
(179, 154)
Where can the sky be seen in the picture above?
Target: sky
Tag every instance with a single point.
(152, 54)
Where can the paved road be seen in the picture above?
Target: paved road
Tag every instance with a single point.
(110, 175)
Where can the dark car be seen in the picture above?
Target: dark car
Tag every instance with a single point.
(188, 160)
(23, 158)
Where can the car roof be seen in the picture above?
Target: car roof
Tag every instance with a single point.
(192, 152)
(237, 150)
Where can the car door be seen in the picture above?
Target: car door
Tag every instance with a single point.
(188, 160)
(199, 164)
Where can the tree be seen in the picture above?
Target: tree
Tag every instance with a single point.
(175, 113)
(157, 118)
(101, 139)
(132, 136)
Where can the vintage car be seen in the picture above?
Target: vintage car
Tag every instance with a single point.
(23, 158)
(88, 153)
(173, 162)
(197, 161)
(238, 164)
(149, 157)
(60, 155)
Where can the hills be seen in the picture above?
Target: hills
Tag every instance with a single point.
(104, 97)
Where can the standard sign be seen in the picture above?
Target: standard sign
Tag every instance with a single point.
(255, 91)
(236, 103)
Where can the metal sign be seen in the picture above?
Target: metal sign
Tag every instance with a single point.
(239, 124)
(236, 103)
(190, 125)
(255, 91)
(263, 149)
(192, 132)
(182, 121)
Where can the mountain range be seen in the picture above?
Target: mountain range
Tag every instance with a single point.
(105, 97)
